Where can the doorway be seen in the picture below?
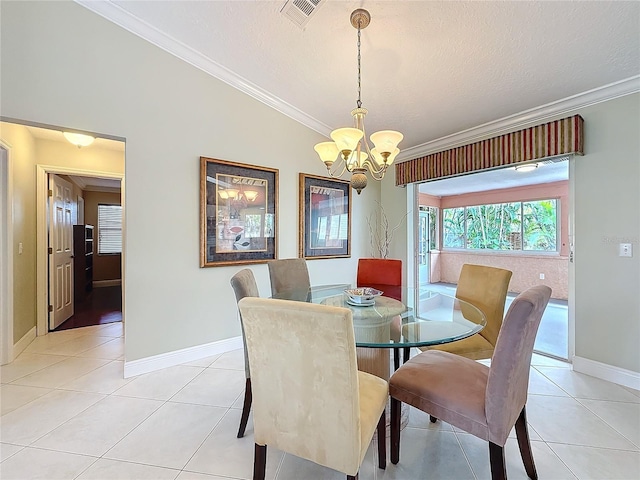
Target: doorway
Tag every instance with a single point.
(6, 253)
(461, 201)
(91, 293)
(96, 300)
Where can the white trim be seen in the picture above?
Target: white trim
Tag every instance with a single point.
(177, 357)
(24, 342)
(107, 283)
(41, 234)
(133, 24)
(621, 376)
(6, 252)
(524, 119)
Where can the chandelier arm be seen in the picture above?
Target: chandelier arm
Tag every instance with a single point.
(375, 169)
(333, 171)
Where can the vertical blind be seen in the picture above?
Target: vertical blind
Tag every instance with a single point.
(555, 138)
(109, 229)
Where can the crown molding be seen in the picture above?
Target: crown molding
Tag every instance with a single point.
(133, 24)
(534, 116)
(525, 119)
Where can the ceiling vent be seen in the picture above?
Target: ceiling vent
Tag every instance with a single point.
(300, 11)
(551, 160)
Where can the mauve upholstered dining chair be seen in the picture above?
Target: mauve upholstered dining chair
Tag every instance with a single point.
(310, 399)
(244, 285)
(290, 276)
(484, 401)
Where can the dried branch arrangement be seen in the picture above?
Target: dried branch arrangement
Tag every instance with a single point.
(381, 233)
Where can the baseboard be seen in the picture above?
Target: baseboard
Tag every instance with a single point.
(621, 376)
(170, 359)
(107, 283)
(23, 343)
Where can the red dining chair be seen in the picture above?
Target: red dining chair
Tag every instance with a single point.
(384, 274)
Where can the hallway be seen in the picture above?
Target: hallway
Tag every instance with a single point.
(101, 306)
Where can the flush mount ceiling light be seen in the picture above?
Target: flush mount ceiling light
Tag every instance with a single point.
(78, 139)
(527, 167)
(349, 150)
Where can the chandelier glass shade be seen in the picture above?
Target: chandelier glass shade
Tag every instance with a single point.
(349, 151)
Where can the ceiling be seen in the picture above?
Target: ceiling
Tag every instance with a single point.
(85, 183)
(429, 68)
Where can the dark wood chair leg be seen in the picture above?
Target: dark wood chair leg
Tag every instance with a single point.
(352, 477)
(395, 430)
(406, 354)
(382, 441)
(432, 419)
(396, 359)
(522, 433)
(259, 462)
(246, 408)
(496, 458)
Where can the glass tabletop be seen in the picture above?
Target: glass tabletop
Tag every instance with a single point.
(422, 318)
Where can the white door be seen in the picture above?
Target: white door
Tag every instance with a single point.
(61, 251)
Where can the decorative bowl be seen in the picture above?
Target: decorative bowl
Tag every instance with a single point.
(362, 295)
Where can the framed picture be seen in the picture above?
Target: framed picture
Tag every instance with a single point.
(238, 213)
(325, 217)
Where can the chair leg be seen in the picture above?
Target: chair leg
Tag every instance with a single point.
(396, 359)
(259, 462)
(432, 419)
(352, 477)
(395, 430)
(522, 433)
(496, 458)
(406, 354)
(246, 408)
(382, 441)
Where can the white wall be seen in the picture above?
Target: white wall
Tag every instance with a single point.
(63, 65)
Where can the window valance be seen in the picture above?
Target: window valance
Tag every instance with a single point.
(559, 137)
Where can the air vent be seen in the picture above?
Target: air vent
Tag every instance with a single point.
(550, 160)
(300, 11)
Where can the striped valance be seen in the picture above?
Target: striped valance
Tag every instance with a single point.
(559, 137)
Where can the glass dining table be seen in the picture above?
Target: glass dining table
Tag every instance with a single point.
(423, 318)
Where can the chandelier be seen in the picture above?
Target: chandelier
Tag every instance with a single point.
(349, 150)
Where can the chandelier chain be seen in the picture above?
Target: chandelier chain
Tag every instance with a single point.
(359, 102)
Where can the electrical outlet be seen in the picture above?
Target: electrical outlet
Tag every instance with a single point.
(542, 276)
(625, 250)
(20, 248)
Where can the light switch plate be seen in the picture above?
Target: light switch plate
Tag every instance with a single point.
(626, 250)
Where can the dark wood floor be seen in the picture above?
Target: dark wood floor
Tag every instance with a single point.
(102, 305)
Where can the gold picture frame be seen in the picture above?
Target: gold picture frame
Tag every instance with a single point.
(238, 213)
(324, 229)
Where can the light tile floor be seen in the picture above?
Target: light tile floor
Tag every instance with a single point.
(67, 413)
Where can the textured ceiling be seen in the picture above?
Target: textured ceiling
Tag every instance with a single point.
(429, 68)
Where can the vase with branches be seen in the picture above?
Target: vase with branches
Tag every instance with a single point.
(381, 232)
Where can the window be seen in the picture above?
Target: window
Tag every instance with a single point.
(109, 229)
(528, 226)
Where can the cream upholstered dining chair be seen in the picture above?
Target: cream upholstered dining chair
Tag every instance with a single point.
(309, 398)
(291, 277)
(483, 401)
(244, 285)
